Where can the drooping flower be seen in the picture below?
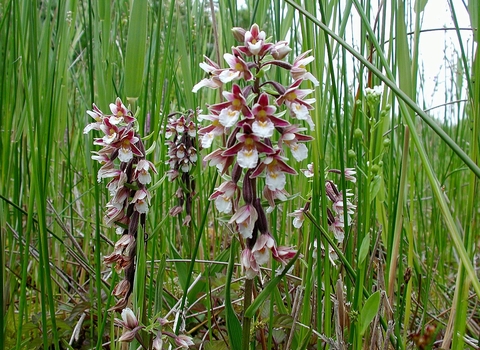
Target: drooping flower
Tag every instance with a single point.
(349, 174)
(275, 167)
(142, 171)
(294, 99)
(262, 248)
(184, 341)
(298, 218)
(130, 323)
(245, 218)
(249, 264)
(141, 200)
(336, 225)
(209, 132)
(283, 254)
(279, 50)
(272, 196)
(218, 159)
(292, 137)
(298, 70)
(309, 171)
(98, 116)
(248, 148)
(265, 122)
(238, 69)
(214, 71)
(230, 110)
(126, 145)
(254, 41)
(120, 113)
(223, 196)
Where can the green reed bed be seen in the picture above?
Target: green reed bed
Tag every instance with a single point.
(373, 244)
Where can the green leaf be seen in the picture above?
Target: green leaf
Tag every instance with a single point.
(151, 148)
(182, 268)
(420, 6)
(269, 289)
(136, 49)
(215, 345)
(362, 254)
(223, 257)
(283, 321)
(473, 12)
(234, 327)
(375, 186)
(369, 311)
(158, 183)
(306, 340)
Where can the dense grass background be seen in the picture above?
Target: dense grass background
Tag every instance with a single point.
(417, 215)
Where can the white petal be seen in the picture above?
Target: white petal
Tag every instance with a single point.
(144, 178)
(223, 204)
(141, 207)
(228, 117)
(125, 155)
(247, 158)
(276, 180)
(108, 139)
(255, 48)
(92, 126)
(298, 221)
(229, 75)
(245, 230)
(300, 111)
(262, 256)
(299, 151)
(207, 140)
(263, 129)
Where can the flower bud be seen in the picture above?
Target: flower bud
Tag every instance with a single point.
(386, 142)
(157, 343)
(239, 34)
(129, 319)
(121, 289)
(184, 341)
(248, 193)
(262, 219)
(280, 50)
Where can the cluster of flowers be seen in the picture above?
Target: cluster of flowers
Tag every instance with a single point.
(182, 154)
(130, 197)
(131, 327)
(257, 136)
(335, 214)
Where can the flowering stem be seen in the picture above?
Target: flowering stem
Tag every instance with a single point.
(247, 321)
(195, 252)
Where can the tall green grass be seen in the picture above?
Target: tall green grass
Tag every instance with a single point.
(408, 266)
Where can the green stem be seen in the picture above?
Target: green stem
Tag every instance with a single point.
(247, 321)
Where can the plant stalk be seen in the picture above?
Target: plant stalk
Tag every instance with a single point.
(247, 321)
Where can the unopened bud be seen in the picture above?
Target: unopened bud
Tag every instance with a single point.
(239, 34)
(280, 50)
(248, 194)
(129, 318)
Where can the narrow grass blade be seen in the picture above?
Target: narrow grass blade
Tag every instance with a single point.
(136, 50)
(234, 328)
(252, 309)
